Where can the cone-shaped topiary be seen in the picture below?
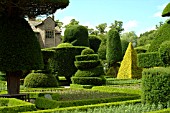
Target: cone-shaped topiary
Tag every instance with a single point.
(128, 68)
(34, 80)
(162, 35)
(76, 35)
(166, 11)
(19, 50)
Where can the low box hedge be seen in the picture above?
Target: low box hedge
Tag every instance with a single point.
(12, 105)
(85, 107)
(161, 111)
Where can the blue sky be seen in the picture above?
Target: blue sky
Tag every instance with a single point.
(137, 15)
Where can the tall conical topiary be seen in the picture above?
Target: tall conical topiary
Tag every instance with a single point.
(114, 50)
(128, 68)
(166, 11)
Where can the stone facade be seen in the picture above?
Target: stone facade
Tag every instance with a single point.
(48, 34)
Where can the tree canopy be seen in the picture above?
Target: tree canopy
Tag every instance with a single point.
(31, 8)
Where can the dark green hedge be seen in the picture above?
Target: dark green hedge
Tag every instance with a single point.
(19, 47)
(164, 52)
(34, 80)
(166, 11)
(48, 58)
(151, 59)
(64, 60)
(156, 86)
(102, 48)
(94, 42)
(12, 105)
(162, 34)
(124, 44)
(140, 49)
(94, 72)
(96, 81)
(87, 57)
(114, 48)
(81, 65)
(77, 35)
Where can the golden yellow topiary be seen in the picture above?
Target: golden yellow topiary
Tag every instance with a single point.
(128, 68)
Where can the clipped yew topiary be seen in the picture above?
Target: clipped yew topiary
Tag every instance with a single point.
(164, 52)
(90, 71)
(150, 59)
(64, 60)
(77, 35)
(124, 44)
(156, 86)
(162, 34)
(128, 68)
(166, 11)
(35, 80)
(114, 50)
(94, 42)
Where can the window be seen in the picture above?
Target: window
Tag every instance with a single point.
(49, 34)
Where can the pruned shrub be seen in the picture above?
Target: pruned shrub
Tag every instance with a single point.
(124, 44)
(87, 51)
(151, 59)
(156, 85)
(86, 64)
(164, 52)
(87, 57)
(162, 34)
(64, 60)
(34, 80)
(64, 45)
(96, 81)
(94, 42)
(77, 35)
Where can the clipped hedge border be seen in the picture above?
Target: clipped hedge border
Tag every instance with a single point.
(44, 103)
(85, 107)
(12, 105)
(160, 111)
(87, 57)
(80, 86)
(96, 81)
(151, 59)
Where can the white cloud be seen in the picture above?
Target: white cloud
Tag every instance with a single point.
(160, 9)
(130, 25)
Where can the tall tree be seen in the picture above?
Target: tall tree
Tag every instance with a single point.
(101, 28)
(130, 37)
(118, 25)
(59, 24)
(19, 48)
(72, 22)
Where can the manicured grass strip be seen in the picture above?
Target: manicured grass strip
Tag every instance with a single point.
(85, 107)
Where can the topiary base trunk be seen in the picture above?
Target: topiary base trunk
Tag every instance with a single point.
(13, 82)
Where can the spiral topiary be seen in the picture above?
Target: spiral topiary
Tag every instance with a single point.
(34, 80)
(87, 51)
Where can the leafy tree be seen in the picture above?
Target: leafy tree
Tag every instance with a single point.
(101, 28)
(130, 37)
(72, 22)
(117, 25)
(59, 24)
(19, 48)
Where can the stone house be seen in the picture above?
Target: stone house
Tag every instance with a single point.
(47, 32)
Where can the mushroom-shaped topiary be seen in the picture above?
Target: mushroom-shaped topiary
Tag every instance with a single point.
(34, 80)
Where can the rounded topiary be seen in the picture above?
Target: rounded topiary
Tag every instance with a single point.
(34, 80)
(87, 51)
(94, 42)
(162, 34)
(164, 52)
(114, 48)
(64, 45)
(76, 35)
